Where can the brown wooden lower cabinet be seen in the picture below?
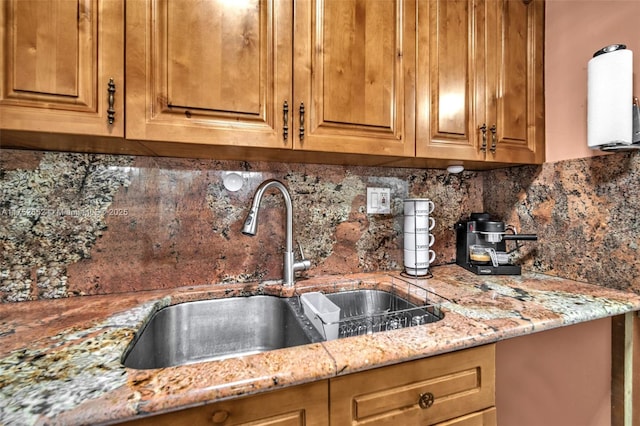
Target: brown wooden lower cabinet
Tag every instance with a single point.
(455, 389)
(298, 405)
(422, 392)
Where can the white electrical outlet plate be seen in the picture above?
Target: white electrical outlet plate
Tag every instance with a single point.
(378, 200)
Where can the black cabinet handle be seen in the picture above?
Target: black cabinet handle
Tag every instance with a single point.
(111, 112)
(483, 129)
(301, 121)
(494, 140)
(285, 121)
(426, 400)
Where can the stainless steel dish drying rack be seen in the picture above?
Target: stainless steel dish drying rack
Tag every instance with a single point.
(370, 310)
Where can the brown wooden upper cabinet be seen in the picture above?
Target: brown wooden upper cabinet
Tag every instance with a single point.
(336, 75)
(210, 72)
(354, 73)
(479, 87)
(62, 66)
(441, 79)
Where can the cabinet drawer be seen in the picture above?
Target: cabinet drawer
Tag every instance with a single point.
(426, 391)
(296, 406)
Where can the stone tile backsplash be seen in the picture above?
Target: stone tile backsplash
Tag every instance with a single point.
(82, 224)
(586, 213)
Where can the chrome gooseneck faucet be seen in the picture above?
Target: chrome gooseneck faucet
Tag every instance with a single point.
(251, 227)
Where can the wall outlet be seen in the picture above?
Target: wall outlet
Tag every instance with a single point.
(378, 200)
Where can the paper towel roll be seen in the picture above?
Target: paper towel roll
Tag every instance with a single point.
(609, 99)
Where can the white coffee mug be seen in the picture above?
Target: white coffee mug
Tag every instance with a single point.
(418, 258)
(418, 207)
(419, 241)
(418, 224)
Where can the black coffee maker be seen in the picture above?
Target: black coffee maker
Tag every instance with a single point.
(481, 245)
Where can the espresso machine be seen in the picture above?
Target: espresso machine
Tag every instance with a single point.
(481, 245)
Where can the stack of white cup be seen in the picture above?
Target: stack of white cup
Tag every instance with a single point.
(418, 239)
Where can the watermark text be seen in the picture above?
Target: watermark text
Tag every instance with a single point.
(40, 212)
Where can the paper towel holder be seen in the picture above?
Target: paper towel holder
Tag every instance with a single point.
(606, 128)
(610, 48)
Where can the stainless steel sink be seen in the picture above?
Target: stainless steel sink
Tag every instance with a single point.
(216, 329)
(231, 327)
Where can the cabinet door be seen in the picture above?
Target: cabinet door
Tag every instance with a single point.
(450, 81)
(515, 66)
(58, 59)
(305, 405)
(481, 418)
(354, 73)
(421, 392)
(209, 72)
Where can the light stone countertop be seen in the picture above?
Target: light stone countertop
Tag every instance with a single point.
(60, 360)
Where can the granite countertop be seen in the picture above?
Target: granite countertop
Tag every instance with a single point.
(60, 360)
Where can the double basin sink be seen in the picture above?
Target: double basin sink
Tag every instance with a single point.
(231, 327)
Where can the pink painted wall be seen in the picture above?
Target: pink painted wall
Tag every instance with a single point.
(561, 377)
(574, 30)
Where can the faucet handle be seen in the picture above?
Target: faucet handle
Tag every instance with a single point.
(303, 264)
(301, 252)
